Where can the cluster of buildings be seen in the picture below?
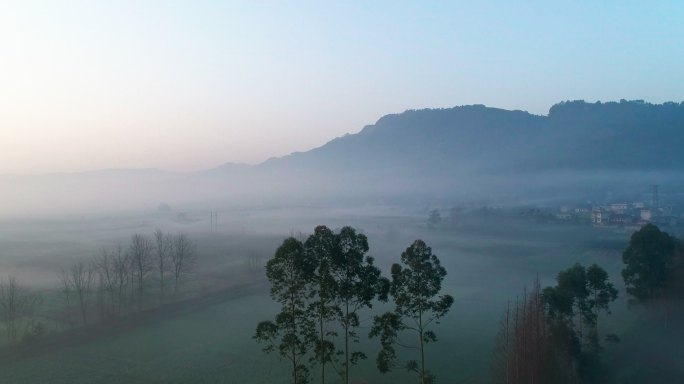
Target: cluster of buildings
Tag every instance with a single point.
(632, 215)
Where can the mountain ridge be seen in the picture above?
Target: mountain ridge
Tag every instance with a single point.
(448, 154)
(574, 135)
(459, 125)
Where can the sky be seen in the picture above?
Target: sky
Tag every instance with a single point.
(190, 85)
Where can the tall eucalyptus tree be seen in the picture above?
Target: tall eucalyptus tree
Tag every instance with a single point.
(290, 272)
(414, 288)
(320, 248)
(358, 284)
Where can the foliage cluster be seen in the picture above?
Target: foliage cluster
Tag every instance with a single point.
(325, 282)
(552, 335)
(654, 265)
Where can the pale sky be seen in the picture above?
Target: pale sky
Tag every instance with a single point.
(189, 85)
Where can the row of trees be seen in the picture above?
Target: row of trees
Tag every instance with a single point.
(152, 269)
(119, 280)
(551, 335)
(17, 303)
(323, 285)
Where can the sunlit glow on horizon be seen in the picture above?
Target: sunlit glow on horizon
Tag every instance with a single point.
(190, 86)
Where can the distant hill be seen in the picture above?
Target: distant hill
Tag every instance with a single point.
(614, 136)
(416, 157)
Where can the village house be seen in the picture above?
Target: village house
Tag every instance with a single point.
(599, 216)
(619, 208)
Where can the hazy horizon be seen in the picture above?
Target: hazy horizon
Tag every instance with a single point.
(384, 174)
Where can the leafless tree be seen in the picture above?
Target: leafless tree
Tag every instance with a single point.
(66, 290)
(164, 244)
(9, 304)
(80, 281)
(183, 259)
(141, 260)
(15, 302)
(501, 359)
(113, 271)
(524, 352)
(32, 327)
(105, 272)
(121, 266)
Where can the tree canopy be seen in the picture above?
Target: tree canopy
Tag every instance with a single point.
(649, 259)
(415, 289)
(289, 272)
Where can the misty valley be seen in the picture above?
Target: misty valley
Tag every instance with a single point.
(341, 192)
(87, 312)
(460, 245)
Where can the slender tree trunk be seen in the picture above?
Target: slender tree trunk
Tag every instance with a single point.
(516, 336)
(508, 344)
(294, 332)
(422, 351)
(346, 344)
(294, 366)
(294, 349)
(132, 291)
(323, 346)
(581, 336)
(161, 295)
(596, 311)
(140, 289)
(83, 309)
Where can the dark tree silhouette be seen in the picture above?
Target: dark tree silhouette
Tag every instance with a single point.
(414, 289)
(357, 283)
(522, 352)
(104, 267)
(320, 249)
(289, 273)
(141, 259)
(572, 309)
(572, 285)
(541, 338)
(163, 247)
(649, 263)
(17, 302)
(80, 277)
(601, 294)
(183, 259)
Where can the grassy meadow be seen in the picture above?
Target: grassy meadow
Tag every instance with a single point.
(489, 262)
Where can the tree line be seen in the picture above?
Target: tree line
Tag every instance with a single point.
(150, 271)
(324, 284)
(18, 307)
(552, 335)
(549, 335)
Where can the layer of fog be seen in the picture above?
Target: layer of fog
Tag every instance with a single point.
(126, 192)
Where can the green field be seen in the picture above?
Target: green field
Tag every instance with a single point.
(488, 264)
